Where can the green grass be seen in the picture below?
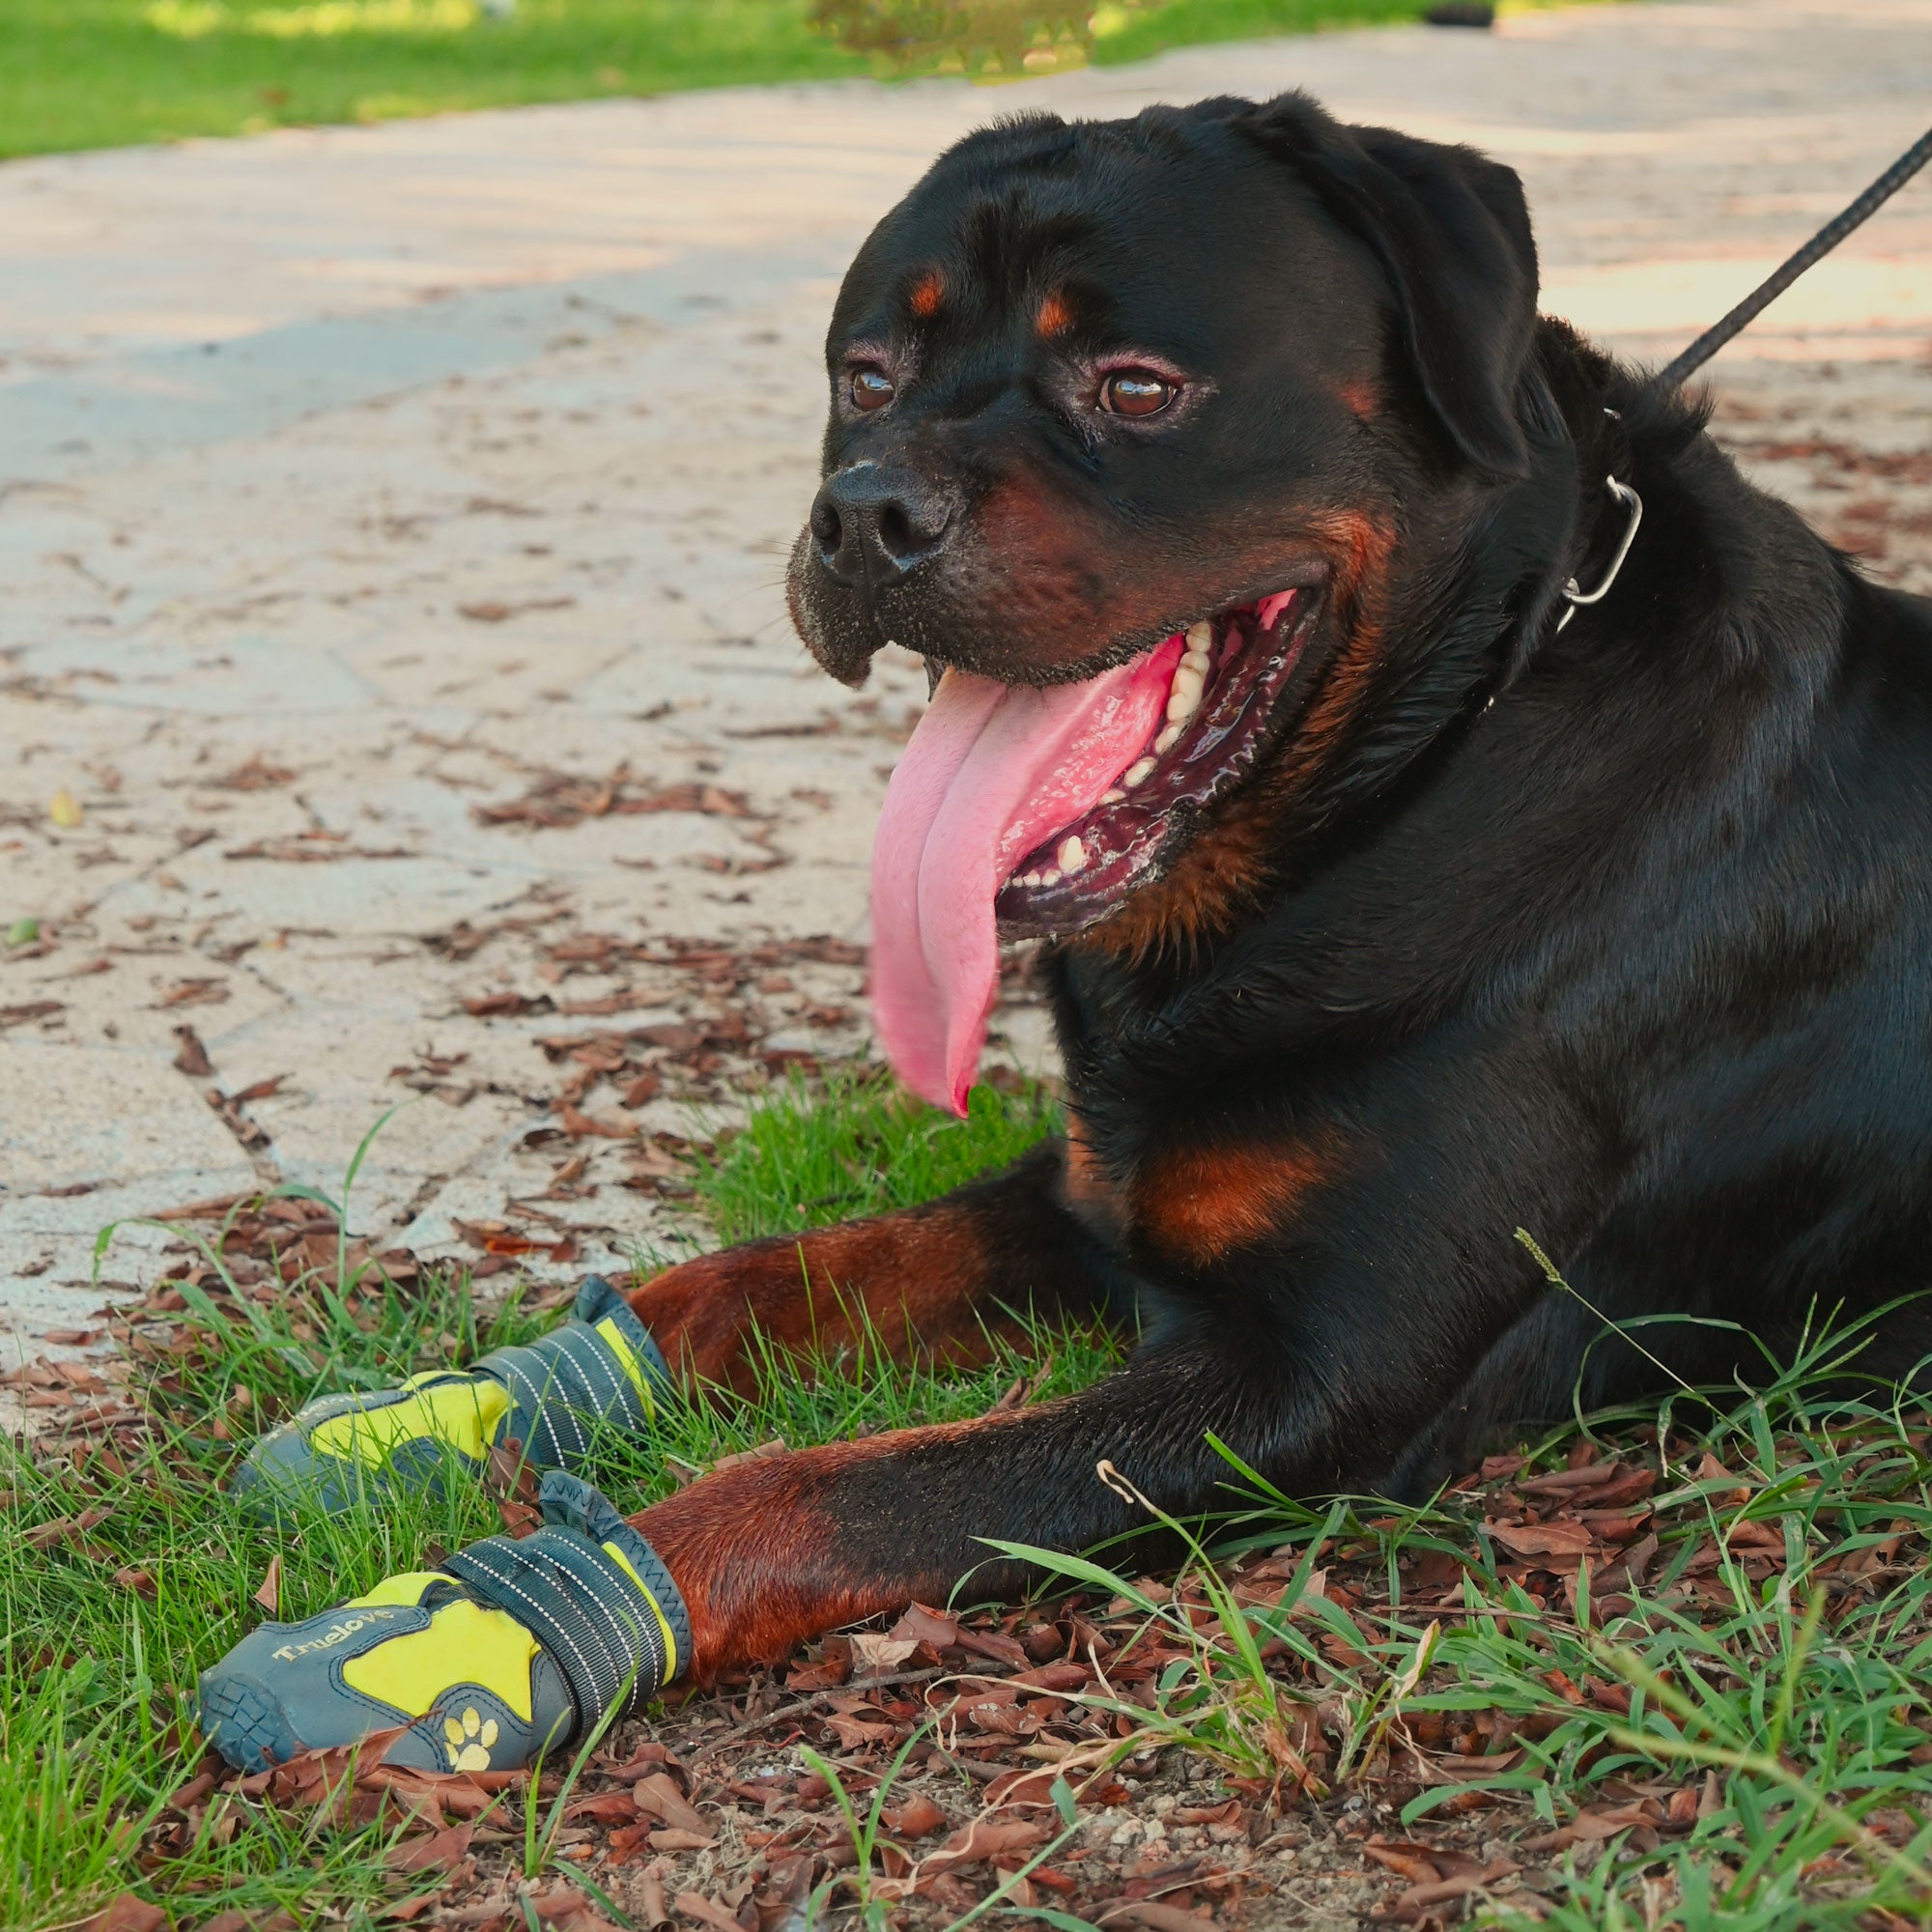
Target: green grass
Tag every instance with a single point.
(97, 1677)
(1805, 1708)
(91, 73)
(858, 1145)
(1795, 1706)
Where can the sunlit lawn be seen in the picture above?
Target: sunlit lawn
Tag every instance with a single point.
(89, 73)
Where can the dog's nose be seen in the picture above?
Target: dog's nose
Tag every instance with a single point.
(872, 523)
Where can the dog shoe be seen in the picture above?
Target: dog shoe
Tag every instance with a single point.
(515, 1646)
(600, 1366)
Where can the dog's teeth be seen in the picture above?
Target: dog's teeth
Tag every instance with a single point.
(1168, 739)
(1051, 876)
(1137, 771)
(1201, 638)
(1029, 878)
(1113, 797)
(1072, 854)
(1183, 699)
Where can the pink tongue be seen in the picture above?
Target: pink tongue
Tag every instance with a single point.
(992, 770)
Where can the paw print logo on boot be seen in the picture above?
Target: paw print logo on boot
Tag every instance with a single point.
(470, 1740)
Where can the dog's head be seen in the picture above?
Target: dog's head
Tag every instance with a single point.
(1129, 423)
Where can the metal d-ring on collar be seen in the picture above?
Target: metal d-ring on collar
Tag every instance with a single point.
(1571, 593)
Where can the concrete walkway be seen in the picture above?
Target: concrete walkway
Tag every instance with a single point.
(393, 519)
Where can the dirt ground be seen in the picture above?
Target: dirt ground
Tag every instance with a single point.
(393, 657)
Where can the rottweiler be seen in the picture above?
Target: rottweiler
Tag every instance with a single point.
(1452, 801)
(1398, 890)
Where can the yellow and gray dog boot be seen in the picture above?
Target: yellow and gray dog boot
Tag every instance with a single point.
(600, 1367)
(513, 1647)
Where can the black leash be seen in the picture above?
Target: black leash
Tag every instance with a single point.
(1671, 376)
(1820, 245)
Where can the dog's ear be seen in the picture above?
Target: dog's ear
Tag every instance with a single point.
(1451, 230)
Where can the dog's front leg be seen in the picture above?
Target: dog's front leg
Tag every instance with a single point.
(775, 1551)
(937, 1282)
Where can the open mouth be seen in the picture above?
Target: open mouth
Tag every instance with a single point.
(1020, 810)
(1226, 678)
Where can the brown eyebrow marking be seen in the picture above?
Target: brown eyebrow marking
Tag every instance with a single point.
(1362, 399)
(1056, 315)
(927, 293)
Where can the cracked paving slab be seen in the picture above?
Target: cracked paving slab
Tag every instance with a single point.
(394, 665)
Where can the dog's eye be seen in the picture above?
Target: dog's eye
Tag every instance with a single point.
(870, 386)
(1136, 393)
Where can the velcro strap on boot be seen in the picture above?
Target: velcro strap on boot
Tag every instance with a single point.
(602, 1605)
(562, 1385)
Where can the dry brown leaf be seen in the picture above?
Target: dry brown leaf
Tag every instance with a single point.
(651, 1900)
(675, 1838)
(1412, 1861)
(920, 1625)
(659, 1795)
(985, 1837)
(33, 1010)
(918, 1817)
(436, 1850)
(268, 1592)
(1566, 1482)
(874, 1655)
(854, 1734)
(608, 1807)
(1420, 1898)
(192, 1058)
(695, 1905)
(125, 1914)
(1229, 1813)
(1542, 1538)
(833, 1668)
(1593, 1825)
(1157, 1917)
(994, 1644)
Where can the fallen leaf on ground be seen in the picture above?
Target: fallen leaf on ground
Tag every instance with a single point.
(268, 1592)
(874, 1655)
(1421, 1898)
(920, 1625)
(126, 1914)
(695, 1905)
(1542, 1538)
(918, 1817)
(195, 993)
(985, 1837)
(1159, 1918)
(660, 1796)
(33, 1010)
(436, 1852)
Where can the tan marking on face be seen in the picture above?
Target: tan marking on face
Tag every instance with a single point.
(1055, 317)
(1362, 399)
(928, 294)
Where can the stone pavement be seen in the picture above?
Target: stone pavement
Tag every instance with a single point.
(393, 661)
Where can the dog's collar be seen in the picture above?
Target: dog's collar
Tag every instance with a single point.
(1573, 593)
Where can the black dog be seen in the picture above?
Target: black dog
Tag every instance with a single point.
(1221, 462)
